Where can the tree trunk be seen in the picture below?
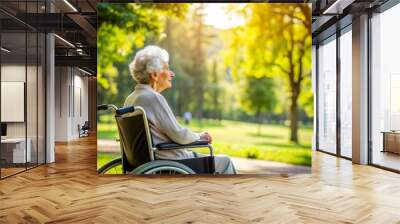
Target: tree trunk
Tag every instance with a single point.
(259, 119)
(294, 117)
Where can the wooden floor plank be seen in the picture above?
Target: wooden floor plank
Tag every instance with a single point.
(70, 191)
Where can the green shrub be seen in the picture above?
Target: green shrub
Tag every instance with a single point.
(253, 154)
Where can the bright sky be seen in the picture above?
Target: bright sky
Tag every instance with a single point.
(217, 16)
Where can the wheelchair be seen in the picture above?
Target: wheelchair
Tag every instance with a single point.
(83, 130)
(138, 155)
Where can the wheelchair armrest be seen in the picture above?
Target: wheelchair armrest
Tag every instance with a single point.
(172, 145)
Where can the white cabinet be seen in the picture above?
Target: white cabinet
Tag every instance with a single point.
(17, 147)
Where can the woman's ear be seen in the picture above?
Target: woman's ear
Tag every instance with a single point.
(153, 76)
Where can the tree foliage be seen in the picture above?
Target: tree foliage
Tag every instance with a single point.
(258, 97)
(275, 42)
(187, 42)
(122, 29)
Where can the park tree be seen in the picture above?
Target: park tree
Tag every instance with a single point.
(275, 42)
(258, 97)
(176, 33)
(167, 42)
(186, 40)
(215, 90)
(197, 56)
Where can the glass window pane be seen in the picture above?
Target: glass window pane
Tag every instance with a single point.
(14, 153)
(346, 94)
(386, 89)
(327, 96)
(31, 97)
(23, 81)
(41, 98)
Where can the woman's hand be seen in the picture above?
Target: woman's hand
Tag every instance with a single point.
(206, 136)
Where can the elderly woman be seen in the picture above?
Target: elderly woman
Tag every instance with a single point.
(151, 71)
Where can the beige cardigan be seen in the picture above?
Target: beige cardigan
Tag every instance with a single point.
(164, 127)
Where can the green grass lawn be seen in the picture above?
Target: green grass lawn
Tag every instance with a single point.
(103, 158)
(238, 139)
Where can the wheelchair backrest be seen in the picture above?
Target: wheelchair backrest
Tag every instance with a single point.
(135, 138)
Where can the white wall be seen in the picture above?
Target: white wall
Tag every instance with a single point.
(71, 94)
(80, 109)
(12, 73)
(62, 81)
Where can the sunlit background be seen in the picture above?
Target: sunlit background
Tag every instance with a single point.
(242, 70)
(219, 15)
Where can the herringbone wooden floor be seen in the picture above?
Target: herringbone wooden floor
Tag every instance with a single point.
(70, 191)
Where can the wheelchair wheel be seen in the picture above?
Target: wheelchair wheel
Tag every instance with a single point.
(164, 167)
(112, 167)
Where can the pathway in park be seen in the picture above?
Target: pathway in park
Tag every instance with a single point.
(243, 165)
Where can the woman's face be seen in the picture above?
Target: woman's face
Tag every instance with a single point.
(163, 80)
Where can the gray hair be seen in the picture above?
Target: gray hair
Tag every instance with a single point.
(148, 60)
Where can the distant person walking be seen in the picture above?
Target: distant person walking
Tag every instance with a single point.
(187, 116)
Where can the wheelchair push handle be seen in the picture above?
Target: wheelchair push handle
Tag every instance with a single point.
(116, 110)
(102, 107)
(125, 110)
(107, 107)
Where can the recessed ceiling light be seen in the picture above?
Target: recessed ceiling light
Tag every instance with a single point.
(5, 50)
(84, 71)
(65, 41)
(337, 7)
(70, 5)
